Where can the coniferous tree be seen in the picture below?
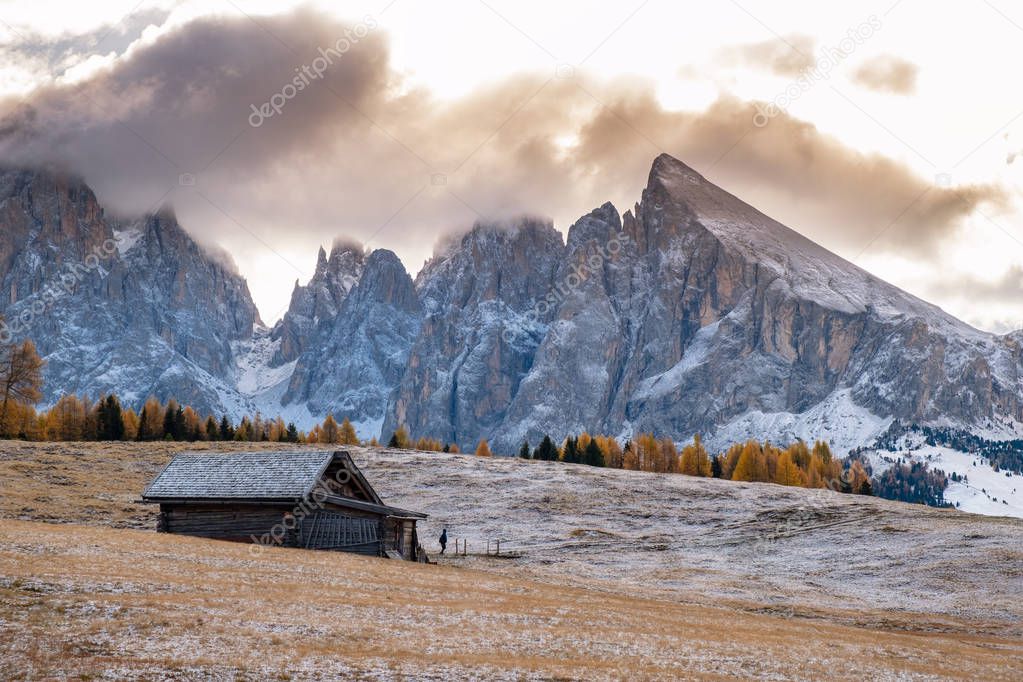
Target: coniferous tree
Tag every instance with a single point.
(151, 421)
(98, 418)
(191, 427)
(547, 450)
(171, 426)
(131, 424)
(483, 449)
(694, 460)
(257, 431)
(168, 418)
(329, 431)
(592, 455)
(292, 433)
(66, 420)
(244, 430)
(110, 421)
(748, 468)
(212, 430)
(611, 450)
(715, 466)
(399, 439)
(570, 451)
(143, 418)
(667, 461)
(630, 457)
(729, 459)
(21, 383)
(524, 452)
(179, 424)
(348, 435)
(226, 429)
(788, 472)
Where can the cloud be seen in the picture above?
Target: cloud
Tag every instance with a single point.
(887, 73)
(358, 153)
(30, 54)
(789, 56)
(1005, 289)
(988, 303)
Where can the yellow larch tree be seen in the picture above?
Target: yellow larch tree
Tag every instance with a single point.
(348, 435)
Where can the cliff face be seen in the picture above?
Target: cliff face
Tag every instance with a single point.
(464, 369)
(353, 361)
(691, 313)
(319, 300)
(137, 308)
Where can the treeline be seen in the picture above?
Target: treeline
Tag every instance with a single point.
(1000, 454)
(401, 439)
(796, 465)
(77, 418)
(914, 482)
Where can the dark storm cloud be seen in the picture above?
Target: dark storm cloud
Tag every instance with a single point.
(357, 153)
(886, 73)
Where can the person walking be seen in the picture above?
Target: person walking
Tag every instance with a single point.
(443, 540)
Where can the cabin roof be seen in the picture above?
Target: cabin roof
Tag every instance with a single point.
(239, 475)
(260, 477)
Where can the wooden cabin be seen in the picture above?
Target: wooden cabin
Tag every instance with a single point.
(312, 500)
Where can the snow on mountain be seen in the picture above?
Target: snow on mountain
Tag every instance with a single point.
(136, 308)
(355, 359)
(319, 301)
(462, 370)
(982, 490)
(690, 313)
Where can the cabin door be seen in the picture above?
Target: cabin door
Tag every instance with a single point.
(331, 530)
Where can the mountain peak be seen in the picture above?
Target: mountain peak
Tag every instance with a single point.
(668, 165)
(345, 245)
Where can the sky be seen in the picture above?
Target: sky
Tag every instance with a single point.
(886, 131)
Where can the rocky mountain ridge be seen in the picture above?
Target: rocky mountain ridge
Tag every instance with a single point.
(691, 312)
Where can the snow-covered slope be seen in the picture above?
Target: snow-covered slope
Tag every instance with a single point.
(977, 488)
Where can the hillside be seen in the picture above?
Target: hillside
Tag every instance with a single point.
(81, 602)
(761, 547)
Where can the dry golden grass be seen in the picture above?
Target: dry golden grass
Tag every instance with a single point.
(95, 483)
(82, 600)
